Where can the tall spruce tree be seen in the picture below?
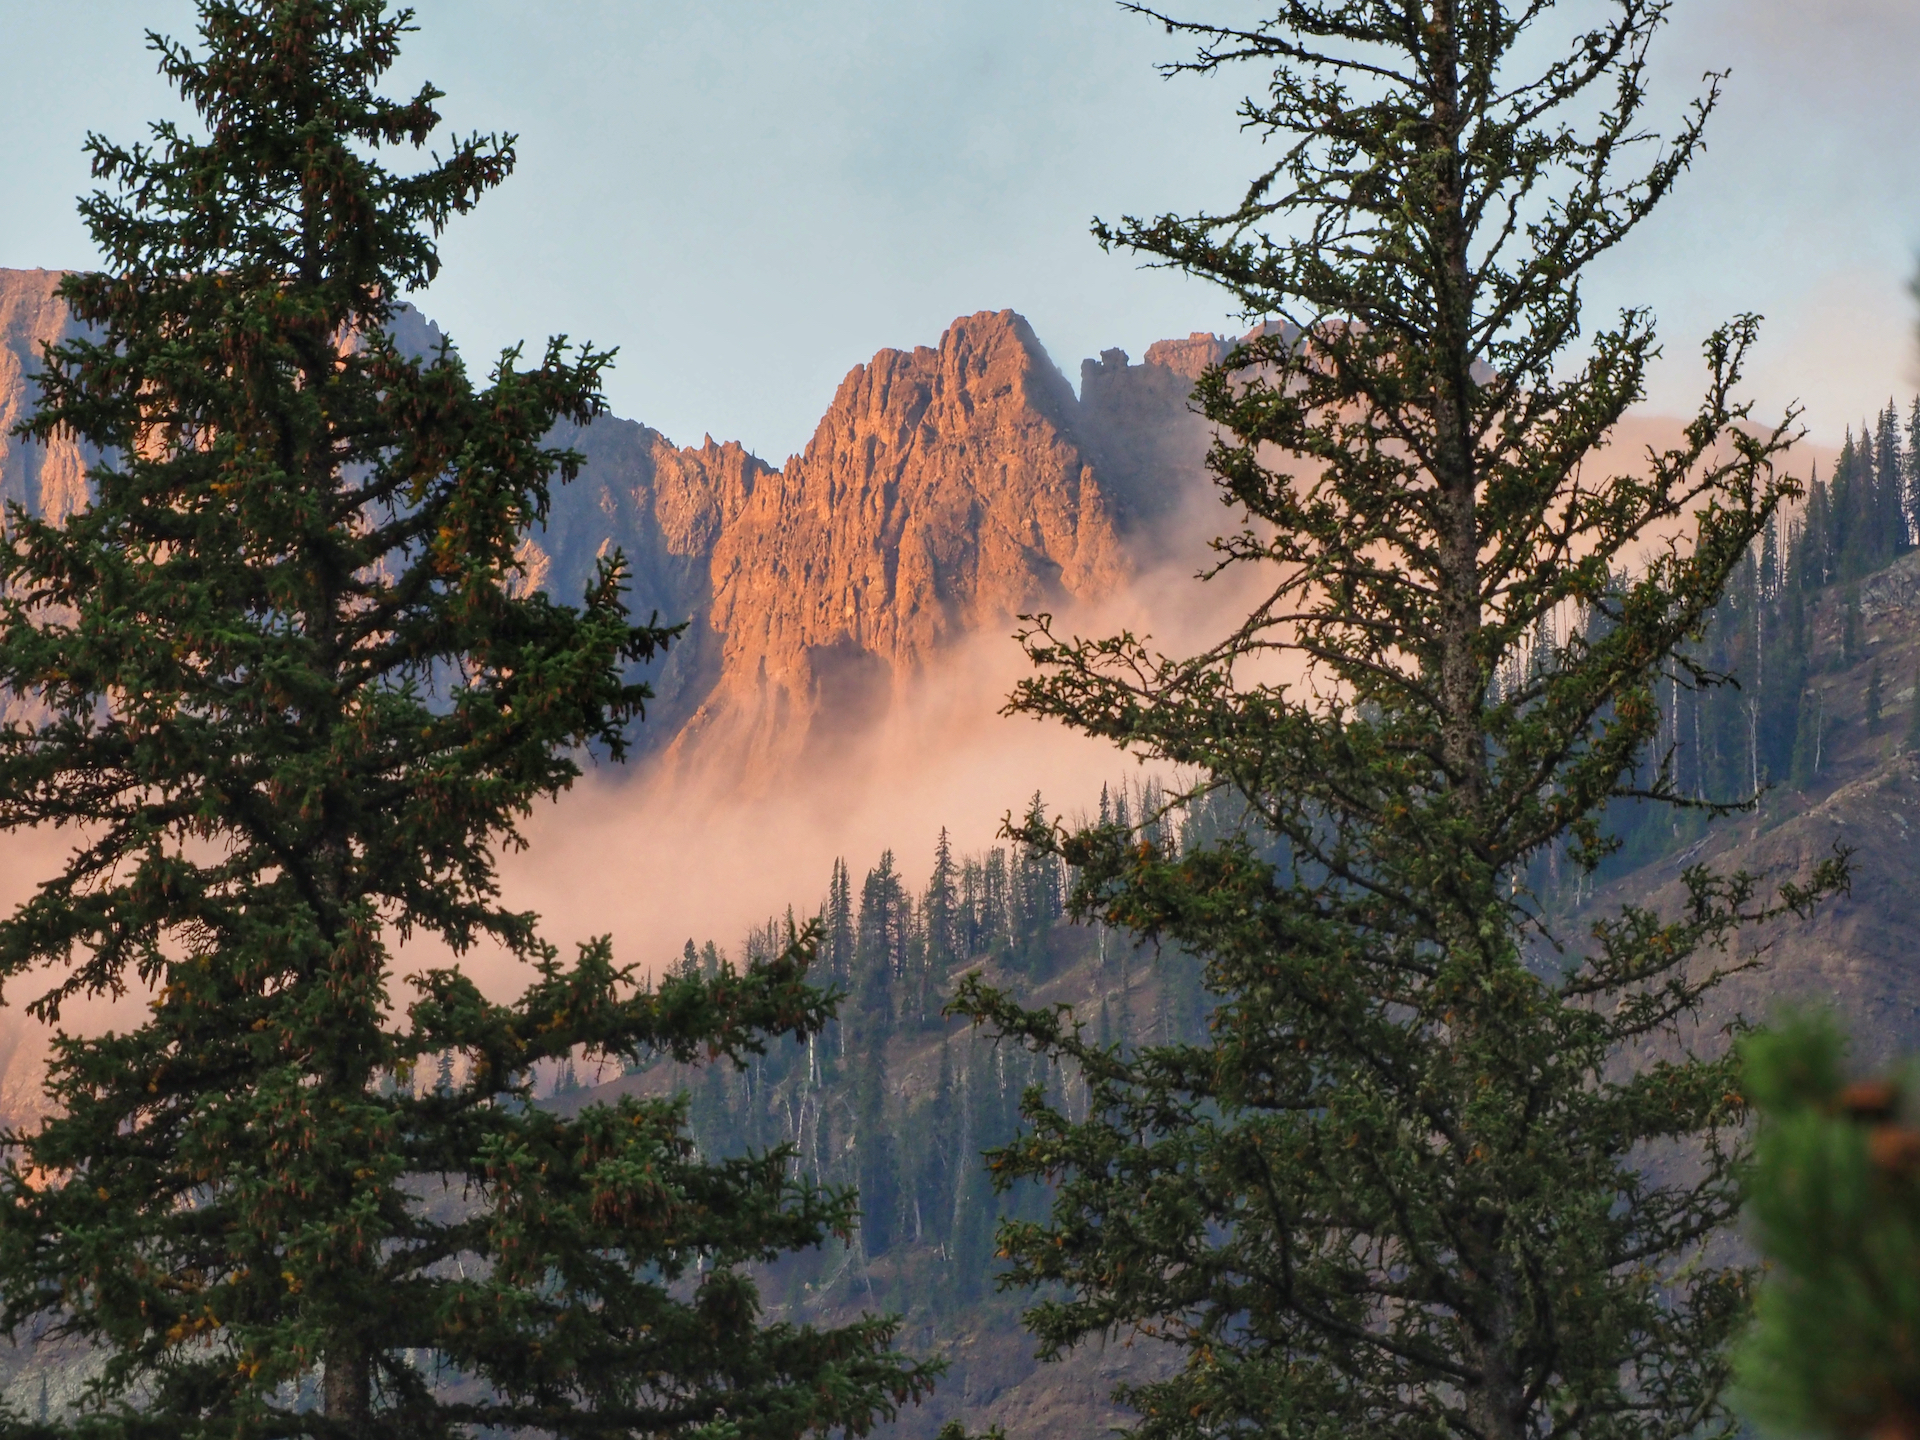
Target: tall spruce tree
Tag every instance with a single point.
(1398, 1190)
(1910, 481)
(285, 682)
(1890, 486)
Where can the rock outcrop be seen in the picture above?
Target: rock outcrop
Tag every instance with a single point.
(46, 479)
(946, 491)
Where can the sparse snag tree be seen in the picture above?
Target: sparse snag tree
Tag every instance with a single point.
(1400, 1193)
(286, 684)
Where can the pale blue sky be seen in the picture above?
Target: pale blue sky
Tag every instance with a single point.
(749, 198)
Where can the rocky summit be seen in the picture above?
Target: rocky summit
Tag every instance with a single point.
(945, 491)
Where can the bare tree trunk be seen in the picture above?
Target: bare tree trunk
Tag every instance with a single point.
(1496, 1405)
(1460, 682)
(346, 1390)
(1495, 1399)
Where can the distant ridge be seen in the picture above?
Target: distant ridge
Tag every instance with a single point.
(945, 491)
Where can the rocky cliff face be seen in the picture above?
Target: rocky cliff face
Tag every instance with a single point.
(49, 479)
(946, 491)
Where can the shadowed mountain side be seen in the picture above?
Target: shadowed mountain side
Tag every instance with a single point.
(1150, 445)
(666, 509)
(47, 479)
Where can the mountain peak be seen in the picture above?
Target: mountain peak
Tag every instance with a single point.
(946, 490)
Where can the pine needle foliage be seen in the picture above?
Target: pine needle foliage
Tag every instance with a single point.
(1402, 1192)
(286, 683)
(1834, 1201)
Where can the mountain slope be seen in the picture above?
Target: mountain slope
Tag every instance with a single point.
(1859, 952)
(945, 491)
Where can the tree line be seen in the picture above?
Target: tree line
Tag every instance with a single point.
(1789, 632)
(911, 1147)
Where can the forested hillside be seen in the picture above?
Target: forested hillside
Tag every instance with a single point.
(1815, 602)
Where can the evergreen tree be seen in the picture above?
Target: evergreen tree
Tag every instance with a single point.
(1889, 487)
(1913, 718)
(1850, 504)
(838, 924)
(942, 910)
(880, 948)
(939, 937)
(996, 908)
(1911, 482)
(1037, 898)
(879, 952)
(1399, 1189)
(287, 673)
(1835, 1201)
(972, 904)
(1814, 558)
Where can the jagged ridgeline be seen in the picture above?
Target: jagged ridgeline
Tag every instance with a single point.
(947, 489)
(1798, 633)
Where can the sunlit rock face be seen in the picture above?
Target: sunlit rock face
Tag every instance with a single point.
(47, 479)
(946, 491)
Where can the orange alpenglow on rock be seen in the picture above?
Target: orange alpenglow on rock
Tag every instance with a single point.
(946, 491)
